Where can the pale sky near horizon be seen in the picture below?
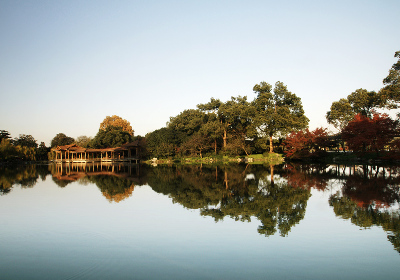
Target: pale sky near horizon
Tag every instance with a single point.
(66, 65)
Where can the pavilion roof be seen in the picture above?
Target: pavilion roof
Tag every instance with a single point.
(78, 149)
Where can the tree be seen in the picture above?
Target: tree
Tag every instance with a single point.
(25, 141)
(237, 118)
(117, 121)
(187, 123)
(361, 101)
(161, 142)
(42, 152)
(4, 135)
(277, 113)
(111, 137)
(304, 143)
(370, 134)
(231, 119)
(83, 141)
(7, 150)
(212, 129)
(61, 139)
(391, 91)
(197, 143)
(364, 102)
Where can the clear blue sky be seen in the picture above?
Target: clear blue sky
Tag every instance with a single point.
(66, 65)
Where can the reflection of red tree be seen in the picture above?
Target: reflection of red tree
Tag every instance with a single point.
(370, 191)
(301, 179)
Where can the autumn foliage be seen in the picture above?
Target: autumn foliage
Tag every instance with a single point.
(117, 121)
(305, 143)
(365, 134)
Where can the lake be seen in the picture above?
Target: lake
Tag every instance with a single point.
(199, 222)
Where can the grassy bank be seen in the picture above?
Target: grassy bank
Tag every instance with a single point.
(270, 158)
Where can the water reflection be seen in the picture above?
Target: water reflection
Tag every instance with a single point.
(115, 181)
(276, 196)
(235, 191)
(24, 175)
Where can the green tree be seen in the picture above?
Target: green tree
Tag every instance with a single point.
(197, 144)
(215, 125)
(7, 150)
(237, 116)
(4, 135)
(278, 112)
(111, 137)
(187, 123)
(391, 91)
(228, 120)
(42, 152)
(61, 139)
(161, 143)
(83, 141)
(361, 101)
(25, 141)
(212, 129)
(341, 114)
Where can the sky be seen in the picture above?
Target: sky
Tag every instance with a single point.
(66, 65)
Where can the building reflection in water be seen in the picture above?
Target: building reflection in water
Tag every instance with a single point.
(115, 181)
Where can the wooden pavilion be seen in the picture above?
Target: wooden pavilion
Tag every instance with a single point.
(129, 152)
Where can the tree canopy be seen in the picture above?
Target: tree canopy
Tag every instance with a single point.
(370, 134)
(83, 141)
(117, 121)
(25, 141)
(361, 101)
(365, 102)
(4, 134)
(61, 139)
(111, 137)
(278, 112)
(391, 91)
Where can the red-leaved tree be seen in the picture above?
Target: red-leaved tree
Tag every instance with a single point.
(364, 134)
(304, 143)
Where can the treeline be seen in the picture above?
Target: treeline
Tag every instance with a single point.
(113, 132)
(274, 121)
(234, 127)
(22, 148)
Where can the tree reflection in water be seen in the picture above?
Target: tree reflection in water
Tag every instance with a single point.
(24, 175)
(277, 196)
(370, 197)
(235, 191)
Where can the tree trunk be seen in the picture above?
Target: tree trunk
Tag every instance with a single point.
(271, 147)
(224, 138)
(272, 175)
(215, 146)
(226, 180)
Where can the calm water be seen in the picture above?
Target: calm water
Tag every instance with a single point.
(199, 222)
